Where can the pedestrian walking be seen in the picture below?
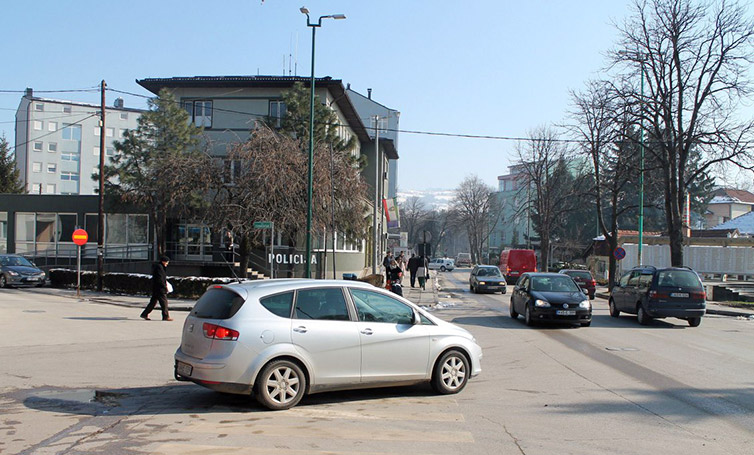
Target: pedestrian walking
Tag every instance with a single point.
(386, 265)
(159, 290)
(228, 244)
(395, 275)
(413, 264)
(401, 260)
(422, 272)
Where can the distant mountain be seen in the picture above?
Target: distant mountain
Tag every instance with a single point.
(433, 199)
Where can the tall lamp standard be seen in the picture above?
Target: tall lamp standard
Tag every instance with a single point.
(314, 27)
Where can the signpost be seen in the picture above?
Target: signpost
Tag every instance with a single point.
(269, 225)
(80, 237)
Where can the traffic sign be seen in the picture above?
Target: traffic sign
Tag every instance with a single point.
(619, 253)
(263, 225)
(80, 237)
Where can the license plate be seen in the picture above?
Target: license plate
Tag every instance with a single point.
(679, 294)
(565, 312)
(183, 369)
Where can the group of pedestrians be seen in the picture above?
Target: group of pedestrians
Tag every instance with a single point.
(417, 266)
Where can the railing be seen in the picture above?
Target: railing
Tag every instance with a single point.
(66, 255)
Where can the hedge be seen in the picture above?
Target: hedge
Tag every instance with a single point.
(134, 283)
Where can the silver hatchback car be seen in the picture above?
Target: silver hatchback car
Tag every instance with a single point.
(282, 339)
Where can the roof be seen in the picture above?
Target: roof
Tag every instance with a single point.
(714, 233)
(744, 224)
(731, 195)
(335, 86)
(389, 146)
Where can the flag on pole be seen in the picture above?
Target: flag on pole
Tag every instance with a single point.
(391, 212)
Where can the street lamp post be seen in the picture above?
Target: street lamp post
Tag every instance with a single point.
(314, 27)
(641, 165)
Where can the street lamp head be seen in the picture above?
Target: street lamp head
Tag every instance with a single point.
(338, 16)
(304, 10)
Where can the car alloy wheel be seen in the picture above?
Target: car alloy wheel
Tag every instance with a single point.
(281, 385)
(512, 311)
(527, 316)
(614, 312)
(451, 373)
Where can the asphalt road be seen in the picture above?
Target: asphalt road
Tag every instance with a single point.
(79, 377)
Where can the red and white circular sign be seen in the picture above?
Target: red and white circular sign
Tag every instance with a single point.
(80, 237)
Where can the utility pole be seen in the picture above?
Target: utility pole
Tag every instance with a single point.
(101, 213)
(375, 224)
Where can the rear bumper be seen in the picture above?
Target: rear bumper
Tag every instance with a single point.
(681, 313)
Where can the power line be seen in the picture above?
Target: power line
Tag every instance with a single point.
(51, 132)
(53, 118)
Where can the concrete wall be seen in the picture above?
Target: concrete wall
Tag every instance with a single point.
(703, 259)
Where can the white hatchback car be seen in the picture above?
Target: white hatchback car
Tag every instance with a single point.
(442, 264)
(282, 339)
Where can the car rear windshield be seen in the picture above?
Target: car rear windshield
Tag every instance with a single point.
(678, 279)
(217, 303)
(585, 275)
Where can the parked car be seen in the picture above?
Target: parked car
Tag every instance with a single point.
(283, 339)
(18, 271)
(649, 292)
(514, 263)
(550, 297)
(463, 260)
(584, 279)
(442, 264)
(487, 278)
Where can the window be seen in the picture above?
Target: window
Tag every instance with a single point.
(96, 131)
(50, 188)
(36, 166)
(52, 168)
(202, 113)
(52, 126)
(122, 133)
(67, 109)
(109, 151)
(634, 279)
(624, 280)
(109, 132)
(96, 151)
(279, 305)
(36, 188)
(277, 112)
(375, 307)
(65, 175)
(39, 107)
(645, 280)
(124, 115)
(323, 304)
(37, 125)
(38, 146)
(232, 171)
(52, 147)
(69, 156)
(217, 304)
(72, 132)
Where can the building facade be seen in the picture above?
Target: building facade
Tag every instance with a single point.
(58, 142)
(513, 226)
(727, 204)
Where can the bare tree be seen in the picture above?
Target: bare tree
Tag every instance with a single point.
(549, 183)
(473, 204)
(412, 212)
(695, 57)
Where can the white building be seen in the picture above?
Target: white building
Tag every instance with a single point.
(58, 142)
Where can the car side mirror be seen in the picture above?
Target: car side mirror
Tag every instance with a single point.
(417, 318)
(585, 290)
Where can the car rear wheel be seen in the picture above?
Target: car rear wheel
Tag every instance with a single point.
(513, 312)
(614, 312)
(642, 316)
(280, 385)
(694, 322)
(451, 373)
(527, 316)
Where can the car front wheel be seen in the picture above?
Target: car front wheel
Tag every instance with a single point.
(442, 269)
(527, 316)
(512, 311)
(451, 373)
(280, 385)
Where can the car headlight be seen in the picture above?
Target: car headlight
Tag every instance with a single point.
(482, 283)
(12, 273)
(541, 304)
(585, 304)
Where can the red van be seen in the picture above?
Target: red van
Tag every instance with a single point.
(514, 263)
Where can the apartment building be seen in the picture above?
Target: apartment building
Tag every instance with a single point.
(57, 145)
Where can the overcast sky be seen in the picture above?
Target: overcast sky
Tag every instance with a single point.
(484, 67)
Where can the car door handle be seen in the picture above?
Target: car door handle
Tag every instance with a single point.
(367, 331)
(300, 329)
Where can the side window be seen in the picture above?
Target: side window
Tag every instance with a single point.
(624, 280)
(279, 305)
(324, 304)
(645, 280)
(523, 282)
(376, 307)
(633, 281)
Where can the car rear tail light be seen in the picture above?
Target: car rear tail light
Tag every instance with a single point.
(658, 295)
(592, 283)
(217, 332)
(699, 295)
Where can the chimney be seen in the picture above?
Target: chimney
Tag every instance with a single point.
(29, 92)
(118, 103)
(369, 93)
(348, 86)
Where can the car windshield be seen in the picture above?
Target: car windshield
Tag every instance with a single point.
(15, 260)
(553, 284)
(488, 271)
(678, 278)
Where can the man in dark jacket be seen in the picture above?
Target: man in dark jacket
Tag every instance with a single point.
(159, 290)
(413, 264)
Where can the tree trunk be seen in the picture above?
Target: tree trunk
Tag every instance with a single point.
(159, 228)
(244, 251)
(674, 224)
(544, 251)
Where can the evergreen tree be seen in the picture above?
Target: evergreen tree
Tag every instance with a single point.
(9, 175)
